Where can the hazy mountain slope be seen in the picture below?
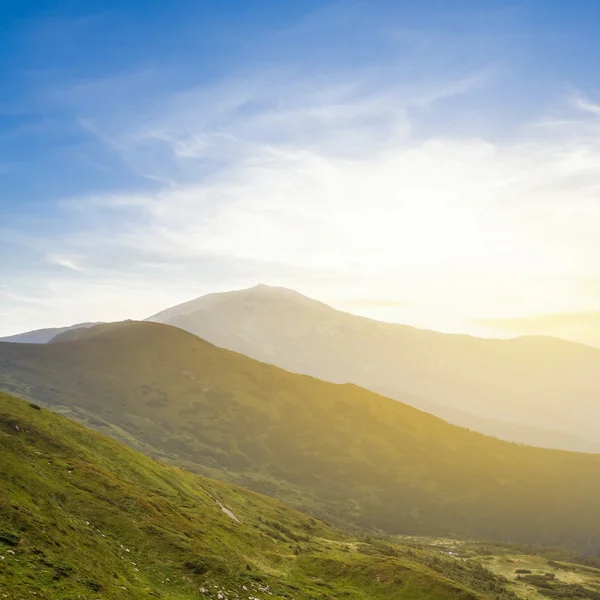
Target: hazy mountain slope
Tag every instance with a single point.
(42, 336)
(583, 327)
(82, 516)
(511, 432)
(537, 382)
(338, 451)
(504, 430)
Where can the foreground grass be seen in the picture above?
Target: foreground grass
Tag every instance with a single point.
(82, 516)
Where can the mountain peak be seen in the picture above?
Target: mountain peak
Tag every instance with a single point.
(273, 291)
(269, 289)
(258, 293)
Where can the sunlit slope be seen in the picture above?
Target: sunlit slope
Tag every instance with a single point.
(545, 384)
(337, 451)
(84, 516)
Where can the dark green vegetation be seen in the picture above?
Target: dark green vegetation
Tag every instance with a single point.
(532, 573)
(548, 585)
(335, 451)
(536, 390)
(82, 516)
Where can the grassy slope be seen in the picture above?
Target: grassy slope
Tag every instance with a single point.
(337, 451)
(82, 516)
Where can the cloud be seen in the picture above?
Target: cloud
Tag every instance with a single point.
(584, 103)
(329, 185)
(545, 320)
(333, 179)
(370, 303)
(64, 261)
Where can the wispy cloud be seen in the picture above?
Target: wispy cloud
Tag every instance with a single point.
(67, 262)
(340, 183)
(369, 303)
(582, 102)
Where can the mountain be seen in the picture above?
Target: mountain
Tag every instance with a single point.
(336, 451)
(534, 390)
(82, 516)
(582, 327)
(42, 336)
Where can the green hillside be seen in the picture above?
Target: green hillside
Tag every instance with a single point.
(335, 451)
(82, 516)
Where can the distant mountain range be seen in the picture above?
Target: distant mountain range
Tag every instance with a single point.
(536, 390)
(336, 451)
(42, 336)
(581, 327)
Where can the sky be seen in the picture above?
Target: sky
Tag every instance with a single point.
(430, 163)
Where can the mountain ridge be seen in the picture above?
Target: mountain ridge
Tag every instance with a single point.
(303, 338)
(42, 336)
(529, 381)
(334, 450)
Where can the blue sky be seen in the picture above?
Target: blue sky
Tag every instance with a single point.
(431, 162)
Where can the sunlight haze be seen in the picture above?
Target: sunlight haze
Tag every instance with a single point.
(406, 177)
(300, 300)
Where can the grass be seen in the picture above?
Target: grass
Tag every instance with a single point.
(83, 516)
